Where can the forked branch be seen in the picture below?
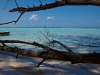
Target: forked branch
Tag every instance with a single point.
(58, 4)
(50, 53)
(67, 48)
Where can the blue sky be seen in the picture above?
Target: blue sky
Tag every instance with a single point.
(66, 16)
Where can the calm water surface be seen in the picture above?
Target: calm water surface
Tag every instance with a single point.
(69, 36)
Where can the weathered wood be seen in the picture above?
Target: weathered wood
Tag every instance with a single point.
(57, 4)
(46, 55)
(51, 53)
(44, 47)
(58, 55)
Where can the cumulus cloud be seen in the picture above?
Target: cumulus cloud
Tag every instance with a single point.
(34, 17)
(50, 17)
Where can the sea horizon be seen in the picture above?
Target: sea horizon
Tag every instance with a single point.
(49, 27)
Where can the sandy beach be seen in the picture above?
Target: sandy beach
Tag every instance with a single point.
(26, 66)
(66, 30)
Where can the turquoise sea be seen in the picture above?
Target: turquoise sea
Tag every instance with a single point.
(68, 36)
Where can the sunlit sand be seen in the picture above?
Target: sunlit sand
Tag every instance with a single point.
(26, 66)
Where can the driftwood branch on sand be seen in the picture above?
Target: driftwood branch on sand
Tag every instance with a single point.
(50, 53)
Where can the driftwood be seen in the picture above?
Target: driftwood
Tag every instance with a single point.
(50, 53)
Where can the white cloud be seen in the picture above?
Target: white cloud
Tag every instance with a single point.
(50, 17)
(34, 17)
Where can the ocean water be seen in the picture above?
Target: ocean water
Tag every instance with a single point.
(71, 37)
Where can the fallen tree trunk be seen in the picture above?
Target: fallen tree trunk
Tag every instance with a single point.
(51, 54)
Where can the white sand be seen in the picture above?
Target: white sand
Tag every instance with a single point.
(26, 66)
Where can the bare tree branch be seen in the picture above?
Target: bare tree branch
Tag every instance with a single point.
(40, 2)
(7, 23)
(58, 4)
(13, 21)
(6, 4)
(21, 13)
(16, 3)
(30, 43)
(46, 37)
(67, 48)
(19, 17)
(51, 53)
(22, 10)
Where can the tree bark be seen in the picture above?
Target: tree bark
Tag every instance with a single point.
(44, 47)
(51, 53)
(57, 4)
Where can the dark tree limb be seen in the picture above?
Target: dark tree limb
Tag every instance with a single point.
(6, 4)
(40, 2)
(44, 54)
(22, 10)
(19, 17)
(44, 47)
(58, 4)
(74, 58)
(89, 45)
(7, 23)
(17, 56)
(67, 48)
(16, 3)
(13, 21)
(40, 63)
(21, 13)
(3, 44)
(45, 36)
(50, 53)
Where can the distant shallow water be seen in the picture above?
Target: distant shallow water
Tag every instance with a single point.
(69, 36)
